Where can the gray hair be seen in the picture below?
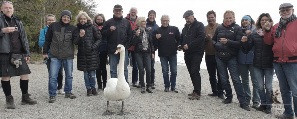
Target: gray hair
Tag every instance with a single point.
(133, 8)
(50, 15)
(165, 15)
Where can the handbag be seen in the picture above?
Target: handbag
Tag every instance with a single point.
(16, 59)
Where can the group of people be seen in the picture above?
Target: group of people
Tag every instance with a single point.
(254, 48)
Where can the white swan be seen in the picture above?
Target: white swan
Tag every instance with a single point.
(117, 89)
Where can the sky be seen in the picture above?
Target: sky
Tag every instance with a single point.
(176, 8)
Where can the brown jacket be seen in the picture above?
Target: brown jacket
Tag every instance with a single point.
(208, 46)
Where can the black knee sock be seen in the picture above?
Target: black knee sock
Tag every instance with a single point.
(24, 86)
(6, 87)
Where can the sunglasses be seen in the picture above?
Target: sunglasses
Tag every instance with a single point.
(7, 2)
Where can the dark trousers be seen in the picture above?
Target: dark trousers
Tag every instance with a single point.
(135, 68)
(144, 62)
(213, 73)
(153, 71)
(193, 62)
(60, 74)
(101, 70)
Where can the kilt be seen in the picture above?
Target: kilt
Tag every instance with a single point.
(7, 69)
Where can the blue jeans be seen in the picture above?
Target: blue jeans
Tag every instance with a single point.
(287, 75)
(89, 77)
(54, 70)
(135, 68)
(113, 62)
(144, 61)
(60, 74)
(232, 65)
(172, 60)
(265, 90)
(245, 70)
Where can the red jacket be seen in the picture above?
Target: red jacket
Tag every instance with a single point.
(133, 26)
(285, 47)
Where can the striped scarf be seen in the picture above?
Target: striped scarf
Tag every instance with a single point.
(282, 23)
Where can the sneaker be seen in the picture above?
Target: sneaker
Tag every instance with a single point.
(245, 107)
(174, 90)
(70, 95)
(89, 92)
(284, 116)
(227, 100)
(52, 99)
(60, 92)
(166, 90)
(255, 105)
(194, 96)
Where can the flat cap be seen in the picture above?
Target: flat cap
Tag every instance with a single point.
(285, 5)
(188, 13)
(118, 7)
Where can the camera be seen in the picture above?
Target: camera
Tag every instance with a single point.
(45, 60)
(180, 47)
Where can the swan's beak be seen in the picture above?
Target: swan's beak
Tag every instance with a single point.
(118, 50)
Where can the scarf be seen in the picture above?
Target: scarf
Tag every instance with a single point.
(260, 32)
(282, 23)
(144, 39)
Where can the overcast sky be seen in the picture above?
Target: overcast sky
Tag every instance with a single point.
(176, 8)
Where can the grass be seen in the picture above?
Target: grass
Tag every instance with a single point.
(35, 57)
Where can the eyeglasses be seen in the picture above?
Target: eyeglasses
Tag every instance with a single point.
(7, 2)
(285, 10)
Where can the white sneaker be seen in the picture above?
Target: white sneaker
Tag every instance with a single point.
(60, 92)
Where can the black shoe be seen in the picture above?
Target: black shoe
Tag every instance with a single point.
(245, 107)
(213, 94)
(142, 90)
(268, 110)
(27, 100)
(255, 105)
(70, 95)
(221, 96)
(174, 90)
(261, 108)
(166, 90)
(52, 99)
(149, 90)
(284, 117)
(153, 86)
(134, 85)
(10, 102)
(227, 100)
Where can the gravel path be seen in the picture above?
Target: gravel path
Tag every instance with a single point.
(160, 104)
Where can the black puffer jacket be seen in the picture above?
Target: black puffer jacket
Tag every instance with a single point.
(137, 42)
(59, 39)
(194, 36)
(263, 54)
(167, 44)
(122, 34)
(5, 37)
(87, 56)
(234, 34)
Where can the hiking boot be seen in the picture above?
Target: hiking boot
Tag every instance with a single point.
(255, 105)
(268, 110)
(27, 100)
(89, 92)
(174, 90)
(142, 90)
(94, 92)
(245, 107)
(149, 90)
(194, 96)
(227, 100)
(284, 117)
(10, 102)
(166, 90)
(70, 95)
(52, 99)
(261, 108)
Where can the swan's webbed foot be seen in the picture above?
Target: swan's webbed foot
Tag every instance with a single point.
(107, 112)
(123, 113)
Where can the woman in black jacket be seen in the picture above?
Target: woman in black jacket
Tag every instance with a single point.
(227, 43)
(87, 56)
(263, 62)
(144, 48)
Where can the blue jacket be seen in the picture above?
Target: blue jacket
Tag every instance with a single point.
(153, 25)
(42, 38)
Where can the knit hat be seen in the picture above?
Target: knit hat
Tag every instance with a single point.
(151, 12)
(247, 17)
(285, 5)
(188, 13)
(66, 12)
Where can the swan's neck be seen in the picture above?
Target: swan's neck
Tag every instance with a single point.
(121, 74)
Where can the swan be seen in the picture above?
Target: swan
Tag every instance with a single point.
(117, 89)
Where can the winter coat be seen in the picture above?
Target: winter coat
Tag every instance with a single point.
(59, 38)
(194, 37)
(5, 44)
(103, 44)
(87, 56)
(247, 57)
(263, 55)
(122, 34)
(284, 47)
(208, 46)
(153, 25)
(233, 34)
(137, 42)
(167, 44)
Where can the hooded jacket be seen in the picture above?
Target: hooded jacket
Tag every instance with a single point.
(122, 34)
(87, 56)
(5, 44)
